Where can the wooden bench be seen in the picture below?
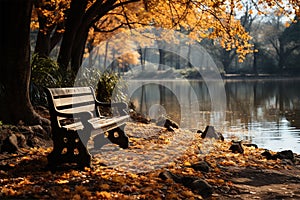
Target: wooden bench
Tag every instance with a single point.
(76, 123)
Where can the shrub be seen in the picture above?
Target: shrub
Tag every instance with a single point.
(111, 84)
(45, 71)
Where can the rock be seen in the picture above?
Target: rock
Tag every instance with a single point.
(286, 154)
(210, 132)
(196, 184)
(201, 187)
(282, 155)
(138, 117)
(168, 175)
(170, 122)
(167, 123)
(236, 147)
(268, 155)
(10, 144)
(201, 166)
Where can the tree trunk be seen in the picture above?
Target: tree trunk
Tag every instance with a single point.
(56, 37)
(255, 55)
(15, 63)
(227, 57)
(74, 20)
(46, 41)
(78, 48)
(162, 60)
(281, 56)
(42, 46)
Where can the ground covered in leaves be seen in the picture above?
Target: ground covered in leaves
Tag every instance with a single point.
(159, 164)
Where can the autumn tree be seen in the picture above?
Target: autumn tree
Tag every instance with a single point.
(48, 18)
(202, 19)
(82, 16)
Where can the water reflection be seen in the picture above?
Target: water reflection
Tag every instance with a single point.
(147, 98)
(264, 112)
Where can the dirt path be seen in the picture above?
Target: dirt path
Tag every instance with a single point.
(263, 183)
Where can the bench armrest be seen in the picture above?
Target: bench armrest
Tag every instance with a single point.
(121, 106)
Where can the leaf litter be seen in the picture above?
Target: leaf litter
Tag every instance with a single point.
(134, 173)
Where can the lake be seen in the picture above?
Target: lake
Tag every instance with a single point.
(264, 112)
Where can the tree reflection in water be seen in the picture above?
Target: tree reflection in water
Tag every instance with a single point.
(266, 112)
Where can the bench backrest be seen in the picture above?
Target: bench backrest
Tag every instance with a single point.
(71, 100)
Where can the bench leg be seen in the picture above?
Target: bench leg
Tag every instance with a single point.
(68, 148)
(119, 137)
(55, 159)
(116, 136)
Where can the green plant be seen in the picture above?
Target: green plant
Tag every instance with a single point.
(111, 87)
(45, 71)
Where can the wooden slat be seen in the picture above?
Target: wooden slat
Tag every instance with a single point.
(74, 126)
(98, 123)
(69, 91)
(73, 100)
(119, 118)
(87, 108)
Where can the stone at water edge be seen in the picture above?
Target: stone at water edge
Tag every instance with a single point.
(236, 147)
(282, 155)
(167, 123)
(286, 154)
(210, 132)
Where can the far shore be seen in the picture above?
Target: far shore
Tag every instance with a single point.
(194, 75)
(254, 77)
(227, 77)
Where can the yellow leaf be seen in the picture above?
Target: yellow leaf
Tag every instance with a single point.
(66, 190)
(103, 195)
(76, 197)
(62, 181)
(287, 24)
(104, 186)
(220, 181)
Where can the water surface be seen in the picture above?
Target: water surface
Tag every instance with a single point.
(265, 112)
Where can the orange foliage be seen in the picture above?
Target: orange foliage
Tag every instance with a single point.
(200, 19)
